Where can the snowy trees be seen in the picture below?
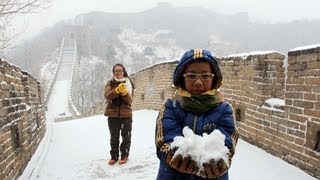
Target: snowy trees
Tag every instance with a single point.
(9, 9)
(88, 83)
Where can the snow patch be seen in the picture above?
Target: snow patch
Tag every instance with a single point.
(201, 148)
(275, 104)
(305, 47)
(245, 55)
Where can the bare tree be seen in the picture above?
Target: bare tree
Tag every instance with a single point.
(8, 11)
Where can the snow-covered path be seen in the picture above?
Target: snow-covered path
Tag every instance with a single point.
(79, 149)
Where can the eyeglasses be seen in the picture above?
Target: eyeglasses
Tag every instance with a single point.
(118, 71)
(194, 76)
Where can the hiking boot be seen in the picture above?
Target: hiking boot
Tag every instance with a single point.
(112, 161)
(123, 159)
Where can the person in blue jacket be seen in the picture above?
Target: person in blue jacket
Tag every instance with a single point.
(198, 105)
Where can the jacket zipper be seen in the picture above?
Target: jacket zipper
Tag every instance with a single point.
(119, 107)
(195, 123)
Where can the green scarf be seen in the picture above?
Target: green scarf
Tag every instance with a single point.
(199, 103)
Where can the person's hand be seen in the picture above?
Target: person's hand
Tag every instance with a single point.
(182, 164)
(214, 169)
(121, 89)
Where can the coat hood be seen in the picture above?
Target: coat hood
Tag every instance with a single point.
(197, 55)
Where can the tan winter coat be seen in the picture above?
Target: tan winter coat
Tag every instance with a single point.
(117, 106)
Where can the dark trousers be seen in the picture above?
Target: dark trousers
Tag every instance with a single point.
(117, 126)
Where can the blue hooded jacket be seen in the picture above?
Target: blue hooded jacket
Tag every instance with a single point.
(173, 118)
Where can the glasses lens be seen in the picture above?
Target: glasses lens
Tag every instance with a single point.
(193, 76)
(206, 76)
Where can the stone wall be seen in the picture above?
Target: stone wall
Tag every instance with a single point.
(153, 86)
(250, 80)
(81, 34)
(54, 76)
(22, 119)
(303, 109)
(289, 130)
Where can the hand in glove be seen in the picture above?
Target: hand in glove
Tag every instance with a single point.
(182, 164)
(214, 169)
(121, 89)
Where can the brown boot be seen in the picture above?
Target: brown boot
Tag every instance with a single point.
(123, 159)
(112, 161)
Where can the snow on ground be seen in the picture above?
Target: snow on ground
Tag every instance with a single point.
(58, 102)
(80, 150)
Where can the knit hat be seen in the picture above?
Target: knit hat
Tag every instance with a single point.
(197, 55)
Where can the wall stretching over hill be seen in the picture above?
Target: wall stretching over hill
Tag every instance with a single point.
(22, 119)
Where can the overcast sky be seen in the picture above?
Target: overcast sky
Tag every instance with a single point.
(263, 10)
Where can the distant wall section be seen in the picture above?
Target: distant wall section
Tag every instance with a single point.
(153, 86)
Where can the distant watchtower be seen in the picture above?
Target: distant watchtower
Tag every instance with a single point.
(82, 36)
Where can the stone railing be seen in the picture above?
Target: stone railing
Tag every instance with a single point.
(54, 76)
(71, 104)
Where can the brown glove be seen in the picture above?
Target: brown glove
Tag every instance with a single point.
(182, 164)
(214, 169)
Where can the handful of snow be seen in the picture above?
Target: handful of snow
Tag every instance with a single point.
(201, 148)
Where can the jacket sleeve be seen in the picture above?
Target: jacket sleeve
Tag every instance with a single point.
(127, 98)
(167, 128)
(109, 92)
(228, 128)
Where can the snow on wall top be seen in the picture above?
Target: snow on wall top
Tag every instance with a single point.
(245, 55)
(305, 47)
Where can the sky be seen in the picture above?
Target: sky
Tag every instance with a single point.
(262, 10)
(79, 149)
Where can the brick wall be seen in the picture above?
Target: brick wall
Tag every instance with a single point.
(303, 109)
(22, 119)
(290, 131)
(248, 82)
(153, 86)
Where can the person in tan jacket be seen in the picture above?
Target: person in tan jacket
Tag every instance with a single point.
(118, 93)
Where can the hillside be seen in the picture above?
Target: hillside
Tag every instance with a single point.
(159, 34)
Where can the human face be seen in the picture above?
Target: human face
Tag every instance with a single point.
(198, 86)
(118, 72)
